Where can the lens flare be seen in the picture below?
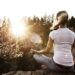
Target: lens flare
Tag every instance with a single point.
(36, 38)
(18, 29)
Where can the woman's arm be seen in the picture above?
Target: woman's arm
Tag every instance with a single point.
(47, 49)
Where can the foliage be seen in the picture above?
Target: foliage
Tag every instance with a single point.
(71, 23)
(40, 26)
(13, 52)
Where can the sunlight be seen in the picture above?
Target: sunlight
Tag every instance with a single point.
(19, 8)
(18, 29)
(36, 38)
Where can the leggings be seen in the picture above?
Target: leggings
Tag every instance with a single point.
(49, 62)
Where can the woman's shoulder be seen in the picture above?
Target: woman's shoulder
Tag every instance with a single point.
(73, 33)
(52, 33)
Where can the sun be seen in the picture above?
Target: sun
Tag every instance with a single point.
(18, 29)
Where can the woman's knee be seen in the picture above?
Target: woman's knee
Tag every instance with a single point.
(36, 56)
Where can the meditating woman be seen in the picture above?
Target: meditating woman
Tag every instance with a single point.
(61, 40)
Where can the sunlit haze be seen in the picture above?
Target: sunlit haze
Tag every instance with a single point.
(18, 29)
(16, 9)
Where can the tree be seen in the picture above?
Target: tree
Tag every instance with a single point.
(71, 23)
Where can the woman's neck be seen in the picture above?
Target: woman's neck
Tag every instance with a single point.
(61, 26)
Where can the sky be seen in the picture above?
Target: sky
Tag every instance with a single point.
(15, 9)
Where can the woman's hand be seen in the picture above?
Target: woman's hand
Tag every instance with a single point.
(32, 51)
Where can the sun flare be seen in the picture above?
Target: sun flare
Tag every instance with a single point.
(18, 29)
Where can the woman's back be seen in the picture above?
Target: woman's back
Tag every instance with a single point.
(63, 40)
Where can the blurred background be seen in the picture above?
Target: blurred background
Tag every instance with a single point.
(25, 24)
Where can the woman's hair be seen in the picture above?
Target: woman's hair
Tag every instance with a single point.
(63, 16)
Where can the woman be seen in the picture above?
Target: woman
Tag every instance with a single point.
(61, 40)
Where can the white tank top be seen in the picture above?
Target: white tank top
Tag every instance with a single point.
(63, 40)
